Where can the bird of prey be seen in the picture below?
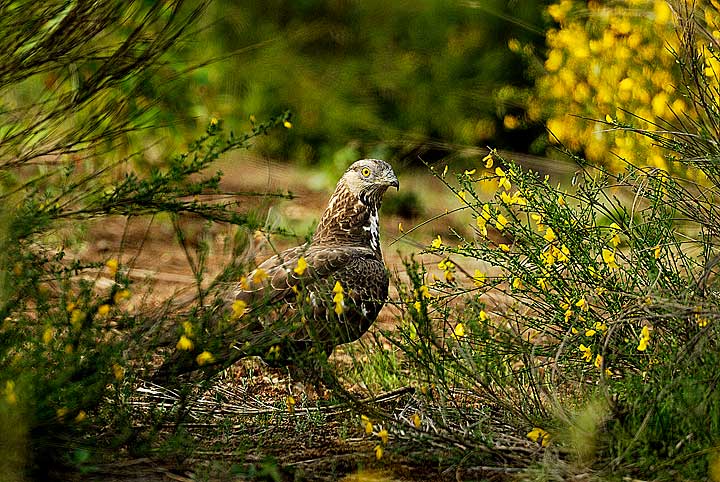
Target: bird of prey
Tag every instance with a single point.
(330, 290)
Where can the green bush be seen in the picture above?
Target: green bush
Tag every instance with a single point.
(590, 326)
(71, 344)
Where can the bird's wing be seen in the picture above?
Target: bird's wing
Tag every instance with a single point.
(274, 279)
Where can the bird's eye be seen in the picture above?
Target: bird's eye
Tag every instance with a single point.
(365, 172)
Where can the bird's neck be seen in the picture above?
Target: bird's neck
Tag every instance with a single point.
(350, 221)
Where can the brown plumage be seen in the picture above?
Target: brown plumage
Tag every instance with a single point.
(346, 250)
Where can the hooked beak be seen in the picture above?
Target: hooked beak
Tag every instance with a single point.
(392, 180)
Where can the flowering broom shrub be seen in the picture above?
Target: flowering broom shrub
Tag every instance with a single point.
(74, 332)
(617, 62)
(575, 331)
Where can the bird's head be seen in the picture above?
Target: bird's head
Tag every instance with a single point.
(368, 179)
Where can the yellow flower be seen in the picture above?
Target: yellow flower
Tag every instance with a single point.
(644, 339)
(470, 172)
(488, 161)
(425, 291)
(609, 119)
(590, 333)
(301, 266)
(657, 252)
(479, 278)
(70, 306)
(416, 420)
(482, 225)
(204, 358)
(244, 283)
(517, 283)
(502, 179)
(437, 242)
(501, 222)
(542, 283)
(184, 343)
(418, 306)
(238, 309)
(259, 275)
(461, 195)
(213, 121)
(400, 228)
(615, 239)
(367, 424)
(581, 303)
(504, 247)
(76, 319)
(48, 335)
(378, 452)
(383, 434)
(561, 200)
(549, 235)
(187, 328)
(121, 295)
(483, 315)
(459, 331)
(80, 416)
(609, 258)
(290, 403)
(600, 326)
(539, 435)
(586, 352)
(339, 298)
(103, 310)
(598, 361)
(288, 124)
(118, 372)
(112, 266)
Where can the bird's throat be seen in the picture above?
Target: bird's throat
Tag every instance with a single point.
(350, 220)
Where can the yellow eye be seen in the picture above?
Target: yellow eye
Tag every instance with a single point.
(365, 172)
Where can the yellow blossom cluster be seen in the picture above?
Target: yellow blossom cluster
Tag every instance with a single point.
(339, 298)
(644, 338)
(448, 269)
(382, 434)
(540, 436)
(613, 61)
(185, 342)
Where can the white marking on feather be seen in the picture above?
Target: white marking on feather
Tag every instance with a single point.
(374, 229)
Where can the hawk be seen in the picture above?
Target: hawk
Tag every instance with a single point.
(339, 277)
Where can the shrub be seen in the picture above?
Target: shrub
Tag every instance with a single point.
(582, 319)
(74, 334)
(617, 63)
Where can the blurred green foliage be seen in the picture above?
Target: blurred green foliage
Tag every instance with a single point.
(371, 78)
